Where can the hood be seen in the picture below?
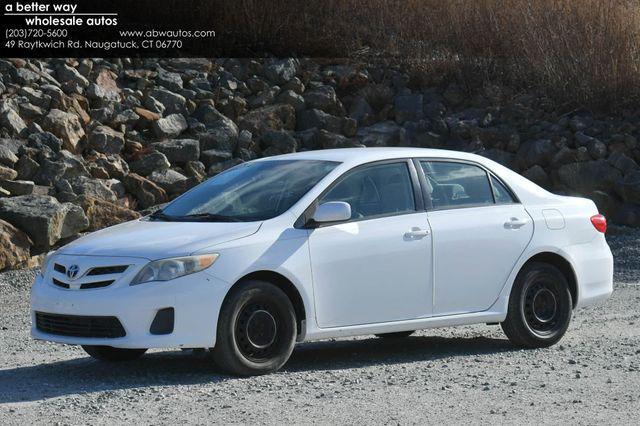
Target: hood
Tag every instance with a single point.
(155, 240)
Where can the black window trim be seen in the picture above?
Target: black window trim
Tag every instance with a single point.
(425, 195)
(305, 221)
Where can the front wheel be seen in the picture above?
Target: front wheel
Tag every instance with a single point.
(111, 354)
(540, 307)
(256, 329)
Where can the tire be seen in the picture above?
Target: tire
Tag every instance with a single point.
(256, 330)
(396, 335)
(111, 354)
(540, 307)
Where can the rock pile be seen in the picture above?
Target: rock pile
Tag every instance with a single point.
(88, 143)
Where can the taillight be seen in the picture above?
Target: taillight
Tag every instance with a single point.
(599, 222)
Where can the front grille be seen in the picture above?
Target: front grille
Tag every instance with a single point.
(106, 270)
(60, 283)
(79, 326)
(84, 282)
(97, 284)
(85, 286)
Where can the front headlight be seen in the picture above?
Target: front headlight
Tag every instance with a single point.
(169, 269)
(46, 262)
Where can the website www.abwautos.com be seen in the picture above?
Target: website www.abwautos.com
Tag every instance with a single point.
(167, 33)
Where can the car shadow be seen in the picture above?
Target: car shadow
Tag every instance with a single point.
(84, 375)
(346, 354)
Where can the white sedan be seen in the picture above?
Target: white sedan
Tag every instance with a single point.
(327, 244)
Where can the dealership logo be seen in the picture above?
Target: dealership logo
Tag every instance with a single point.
(72, 272)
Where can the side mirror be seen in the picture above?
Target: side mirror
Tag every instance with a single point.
(333, 211)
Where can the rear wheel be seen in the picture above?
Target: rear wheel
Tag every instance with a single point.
(396, 335)
(256, 329)
(540, 307)
(111, 354)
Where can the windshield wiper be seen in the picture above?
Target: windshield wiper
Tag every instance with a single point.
(198, 217)
(208, 217)
(159, 214)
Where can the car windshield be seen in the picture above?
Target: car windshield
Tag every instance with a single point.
(253, 191)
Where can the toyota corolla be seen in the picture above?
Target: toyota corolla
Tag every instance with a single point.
(327, 244)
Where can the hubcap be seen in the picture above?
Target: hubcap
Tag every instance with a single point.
(261, 329)
(541, 308)
(544, 305)
(256, 331)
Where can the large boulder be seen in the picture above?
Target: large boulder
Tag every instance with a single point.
(328, 140)
(106, 140)
(94, 188)
(103, 214)
(7, 174)
(535, 152)
(408, 108)
(171, 181)
(170, 126)
(276, 142)
(11, 120)
(385, 133)
(48, 173)
(36, 97)
(18, 187)
(43, 218)
(150, 162)
(26, 168)
(179, 151)
(537, 175)
(221, 132)
(292, 98)
(281, 71)
(627, 214)
(14, 246)
(40, 140)
(629, 189)
(325, 99)
(66, 73)
(272, 117)
(146, 193)
(622, 162)
(105, 89)
(66, 126)
(114, 165)
(589, 176)
(173, 103)
(315, 118)
(75, 165)
(7, 156)
(169, 80)
(212, 156)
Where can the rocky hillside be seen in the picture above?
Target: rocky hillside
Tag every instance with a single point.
(87, 143)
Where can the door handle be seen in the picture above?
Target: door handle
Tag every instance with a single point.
(515, 223)
(416, 233)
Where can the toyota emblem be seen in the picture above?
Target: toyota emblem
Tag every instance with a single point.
(72, 271)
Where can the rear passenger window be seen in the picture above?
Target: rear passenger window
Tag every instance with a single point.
(457, 184)
(501, 193)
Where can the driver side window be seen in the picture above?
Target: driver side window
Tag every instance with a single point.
(374, 191)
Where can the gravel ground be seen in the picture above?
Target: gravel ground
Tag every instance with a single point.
(459, 375)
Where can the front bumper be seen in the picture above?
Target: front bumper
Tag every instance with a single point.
(196, 300)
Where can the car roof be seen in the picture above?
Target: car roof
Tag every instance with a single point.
(366, 155)
(527, 191)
